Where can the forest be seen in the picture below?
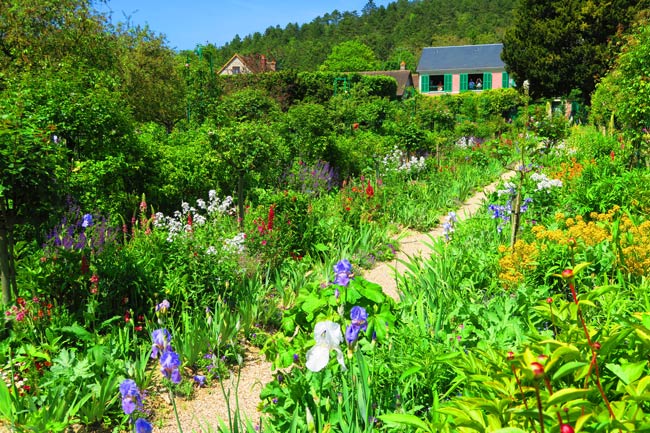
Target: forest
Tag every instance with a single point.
(396, 33)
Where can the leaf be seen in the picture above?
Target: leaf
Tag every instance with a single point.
(312, 303)
(643, 333)
(579, 267)
(569, 368)
(568, 394)
(409, 372)
(629, 372)
(401, 419)
(7, 409)
(643, 385)
(78, 332)
(371, 291)
(509, 430)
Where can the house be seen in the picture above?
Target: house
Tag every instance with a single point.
(463, 68)
(247, 64)
(403, 77)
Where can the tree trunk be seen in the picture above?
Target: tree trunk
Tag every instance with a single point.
(240, 199)
(5, 274)
(12, 262)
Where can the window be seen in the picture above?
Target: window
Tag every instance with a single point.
(236, 70)
(475, 81)
(436, 83)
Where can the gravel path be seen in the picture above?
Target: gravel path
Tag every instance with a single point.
(201, 414)
(417, 244)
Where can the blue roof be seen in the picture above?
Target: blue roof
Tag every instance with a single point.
(486, 56)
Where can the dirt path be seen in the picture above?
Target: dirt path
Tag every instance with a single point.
(201, 413)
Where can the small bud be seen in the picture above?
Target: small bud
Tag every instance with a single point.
(549, 300)
(571, 242)
(596, 346)
(566, 428)
(511, 355)
(538, 369)
(567, 274)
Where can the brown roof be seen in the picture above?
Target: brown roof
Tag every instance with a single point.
(402, 76)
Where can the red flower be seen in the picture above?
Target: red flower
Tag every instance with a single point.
(94, 279)
(269, 225)
(612, 155)
(370, 191)
(355, 125)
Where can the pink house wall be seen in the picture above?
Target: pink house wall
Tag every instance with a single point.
(497, 78)
(455, 83)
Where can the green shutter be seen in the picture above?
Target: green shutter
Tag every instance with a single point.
(487, 80)
(505, 80)
(463, 82)
(447, 84)
(424, 82)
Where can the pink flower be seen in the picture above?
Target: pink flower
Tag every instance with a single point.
(20, 316)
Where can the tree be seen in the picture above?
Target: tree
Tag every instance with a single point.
(369, 7)
(625, 93)
(39, 33)
(153, 85)
(559, 46)
(247, 147)
(31, 169)
(350, 56)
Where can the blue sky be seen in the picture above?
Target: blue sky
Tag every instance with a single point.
(187, 23)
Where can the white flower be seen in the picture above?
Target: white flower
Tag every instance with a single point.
(328, 337)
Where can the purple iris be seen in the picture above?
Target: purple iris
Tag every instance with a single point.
(342, 279)
(169, 363)
(199, 379)
(163, 307)
(351, 334)
(359, 318)
(143, 426)
(131, 397)
(343, 271)
(343, 266)
(161, 339)
(87, 221)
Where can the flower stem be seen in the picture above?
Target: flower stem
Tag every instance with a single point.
(173, 399)
(594, 355)
(539, 408)
(521, 390)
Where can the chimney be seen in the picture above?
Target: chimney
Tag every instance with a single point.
(402, 66)
(263, 63)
